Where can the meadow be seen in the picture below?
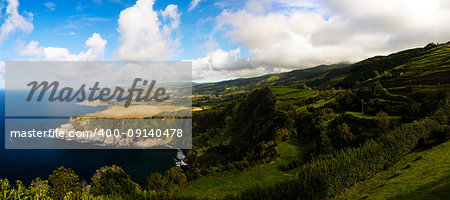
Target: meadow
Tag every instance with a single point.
(230, 183)
(423, 174)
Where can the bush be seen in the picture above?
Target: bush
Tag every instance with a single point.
(192, 174)
(64, 182)
(168, 183)
(112, 180)
(39, 189)
(295, 163)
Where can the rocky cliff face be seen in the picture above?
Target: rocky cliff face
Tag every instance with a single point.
(85, 132)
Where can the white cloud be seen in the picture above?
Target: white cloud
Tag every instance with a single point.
(14, 21)
(2, 74)
(226, 64)
(95, 52)
(171, 13)
(50, 6)
(32, 49)
(143, 36)
(2, 70)
(227, 60)
(193, 4)
(298, 34)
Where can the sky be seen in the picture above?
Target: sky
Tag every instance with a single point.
(224, 39)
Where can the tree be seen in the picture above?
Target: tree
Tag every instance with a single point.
(113, 180)
(175, 177)
(382, 121)
(155, 181)
(192, 174)
(64, 181)
(254, 120)
(343, 130)
(39, 189)
(166, 184)
(378, 90)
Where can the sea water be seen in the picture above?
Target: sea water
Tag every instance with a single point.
(26, 165)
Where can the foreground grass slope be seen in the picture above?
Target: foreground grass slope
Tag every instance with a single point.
(233, 183)
(424, 174)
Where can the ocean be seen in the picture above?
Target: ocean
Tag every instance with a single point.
(26, 165)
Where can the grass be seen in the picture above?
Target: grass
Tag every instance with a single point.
(435, 60)
(366, 116)
(411, 178)
(224, 184)
(297, 95)
(134, 111)
(318, 104)
(283, 90)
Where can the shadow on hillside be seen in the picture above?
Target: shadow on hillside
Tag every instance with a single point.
(435, 190)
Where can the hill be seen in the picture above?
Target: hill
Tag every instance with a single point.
(378, 128)
(427, 66)
(312, 76)
(335, 111)
(423, 174)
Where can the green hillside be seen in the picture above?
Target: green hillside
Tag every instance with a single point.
(424, 174)
(375, 129)
(427, 65)
(227, 183)
(323, 111)
(312, 76)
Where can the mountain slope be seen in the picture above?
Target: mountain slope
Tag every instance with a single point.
(427, 65)
(420, 175)
(311, 76)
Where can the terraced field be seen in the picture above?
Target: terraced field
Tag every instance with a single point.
(289, 96)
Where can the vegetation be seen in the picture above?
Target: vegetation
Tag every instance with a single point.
(224, 183)
(422, 174)
(305, 134)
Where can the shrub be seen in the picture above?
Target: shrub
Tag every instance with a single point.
(192, 174)
(113, 180)
(64, 181)
(295, 163)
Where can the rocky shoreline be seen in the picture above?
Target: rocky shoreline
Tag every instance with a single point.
(118, 141)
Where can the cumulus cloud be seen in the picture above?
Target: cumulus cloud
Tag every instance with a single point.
(143, 36)
(226, 64)
(14, 21)
(222, 60)
(193, 4)
(50, 6)
(32, 49)
(171, 13)
(299, 34)
(95, 52)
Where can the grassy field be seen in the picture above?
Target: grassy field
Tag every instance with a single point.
(297, 95)
(318, 104)
(217, 187)
(280, 91)
(420, 175)
(135, 111)
(288, 96)
(366, 116)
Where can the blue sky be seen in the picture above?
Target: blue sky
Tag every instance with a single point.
(69, 23)
(223, 38)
